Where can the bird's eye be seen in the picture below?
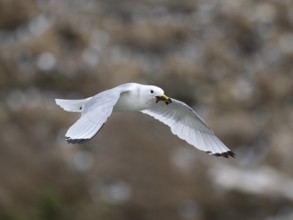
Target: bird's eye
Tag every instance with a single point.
(152, 91)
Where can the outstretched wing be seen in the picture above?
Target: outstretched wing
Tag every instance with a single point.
(187, 125)
(93, 116)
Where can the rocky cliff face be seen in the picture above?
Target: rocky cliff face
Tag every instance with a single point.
(230, 60)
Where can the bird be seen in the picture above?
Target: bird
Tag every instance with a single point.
(148, 99)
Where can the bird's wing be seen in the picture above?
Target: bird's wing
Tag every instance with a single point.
(187, 125)
(94, 115)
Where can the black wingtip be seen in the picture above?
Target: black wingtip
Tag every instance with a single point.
(76, 141)
(83, 140)
(225, 154)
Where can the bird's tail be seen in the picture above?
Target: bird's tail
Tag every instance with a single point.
(72, 105)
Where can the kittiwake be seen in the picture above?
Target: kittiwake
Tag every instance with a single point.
(133, 97)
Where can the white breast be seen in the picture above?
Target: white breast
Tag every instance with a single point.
(129, 102)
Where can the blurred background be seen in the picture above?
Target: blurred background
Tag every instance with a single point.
(231, 60)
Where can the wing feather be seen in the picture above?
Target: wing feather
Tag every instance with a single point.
(94, 115)
(188, 125)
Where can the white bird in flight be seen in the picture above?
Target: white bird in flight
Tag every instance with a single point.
(133, 97)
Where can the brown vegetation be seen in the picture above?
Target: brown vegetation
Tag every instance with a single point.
(231, 60)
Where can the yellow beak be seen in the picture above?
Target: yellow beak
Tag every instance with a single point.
(164, 98)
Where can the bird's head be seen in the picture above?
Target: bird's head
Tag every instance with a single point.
(156, 93)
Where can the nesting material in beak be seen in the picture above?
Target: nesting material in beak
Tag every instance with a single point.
(164, 98)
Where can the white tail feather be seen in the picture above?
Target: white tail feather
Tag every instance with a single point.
(72, 105)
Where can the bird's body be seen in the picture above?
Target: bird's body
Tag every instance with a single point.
(183, 120)
(133, 101)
